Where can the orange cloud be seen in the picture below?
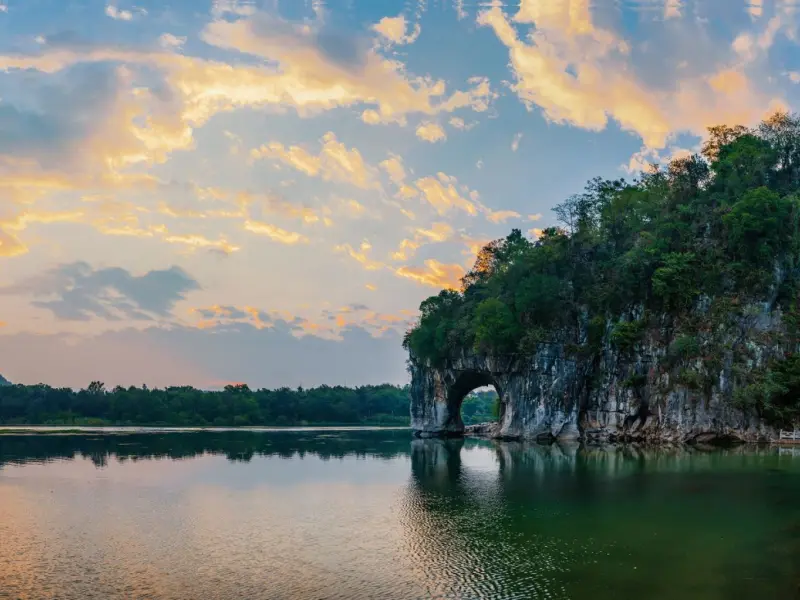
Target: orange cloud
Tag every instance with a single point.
(439, 232)
(673, 9)
(535, 232)
(431, 132)
(474, 246)
(334, 163)
(21, 220)
(394, 168)
(361, 256)
(139, 127)
(10, 245)
(501, 216)
(578, 73)
(194, 241)
(434, 274)
(275, 233)
(309, 80)
(441, 193)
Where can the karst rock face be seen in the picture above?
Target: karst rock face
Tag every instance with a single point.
(552, 394)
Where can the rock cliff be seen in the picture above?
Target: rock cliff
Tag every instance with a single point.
(563, 392)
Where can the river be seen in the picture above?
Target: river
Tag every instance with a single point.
(363, 514)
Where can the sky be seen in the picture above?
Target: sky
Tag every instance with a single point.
(207, 192)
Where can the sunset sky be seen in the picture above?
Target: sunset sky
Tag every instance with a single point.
(197, 192)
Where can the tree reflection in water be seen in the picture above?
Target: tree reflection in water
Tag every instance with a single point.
(565, 521)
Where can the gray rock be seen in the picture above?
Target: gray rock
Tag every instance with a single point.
(588, 396)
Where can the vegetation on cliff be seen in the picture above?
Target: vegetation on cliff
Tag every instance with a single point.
(235, 405)
(693, 256)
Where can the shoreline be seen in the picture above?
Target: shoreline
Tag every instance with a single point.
(129, 429)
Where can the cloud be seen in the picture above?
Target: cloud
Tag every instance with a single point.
(579, 74)
(217, 310)
(434, 274)
(535, 217)
(3, 8)
(394, 168)
(275, 233)
(431, 132)
(393, 29)
(322, 69)
(473, 247)
(361, 255)
(117, 14)
(331, 324)
(194, 240)
(328, 323)
(335, 162)
(515, 142)
(85, 122)
(642, 160)
(351, 208)
(755, 8)
(104, 110)
(794, 76)
(220, 8)
(21, 220)
(441, 193)
(79, 292)
(439, 232)
(10, 245)
(459, 123)
(169, 41)
(444, 193)
(501, 216)
(673, 9)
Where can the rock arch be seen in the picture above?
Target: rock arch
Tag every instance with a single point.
(538, 395)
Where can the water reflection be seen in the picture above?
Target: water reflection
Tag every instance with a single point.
(565, 521)
(375, 514)
(234, 445)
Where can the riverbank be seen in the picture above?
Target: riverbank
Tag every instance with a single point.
(111, 430)
(491, 431)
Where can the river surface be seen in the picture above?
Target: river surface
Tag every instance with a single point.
(356, 514)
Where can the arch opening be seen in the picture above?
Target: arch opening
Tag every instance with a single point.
(475, 398)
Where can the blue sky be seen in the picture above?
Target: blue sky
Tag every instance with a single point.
(207, 192)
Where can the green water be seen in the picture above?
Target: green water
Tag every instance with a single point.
(375, 514)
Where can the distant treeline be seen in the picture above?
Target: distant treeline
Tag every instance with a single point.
(236, 405)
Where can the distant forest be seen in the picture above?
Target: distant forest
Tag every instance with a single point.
(236, 405)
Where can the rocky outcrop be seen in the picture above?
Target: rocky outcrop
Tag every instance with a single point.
(538, 394)
(561, 392)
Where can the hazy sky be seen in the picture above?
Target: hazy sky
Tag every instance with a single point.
(198, 192)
